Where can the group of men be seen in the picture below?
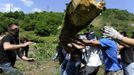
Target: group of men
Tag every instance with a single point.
(86, 57)
(89, 52)
(80, 61)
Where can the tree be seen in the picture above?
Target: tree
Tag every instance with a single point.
(42, 29)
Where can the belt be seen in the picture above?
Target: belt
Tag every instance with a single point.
(119, 72)
(75, 57)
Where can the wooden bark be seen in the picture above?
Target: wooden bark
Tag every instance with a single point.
(79, 14)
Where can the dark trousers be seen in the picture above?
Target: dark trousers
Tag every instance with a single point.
(6, 68)
(63, 66)
(72, 68)
(24, 52)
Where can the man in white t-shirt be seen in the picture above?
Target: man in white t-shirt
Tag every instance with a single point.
(91, 56)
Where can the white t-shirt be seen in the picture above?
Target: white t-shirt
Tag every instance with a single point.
(93, 54)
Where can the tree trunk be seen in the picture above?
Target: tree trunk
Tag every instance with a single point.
(79, 14)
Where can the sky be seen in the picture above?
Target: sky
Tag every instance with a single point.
(29, 6)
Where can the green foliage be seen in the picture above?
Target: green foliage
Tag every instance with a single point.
(19, 15)
(42, 29)
(49, 23)
(117, 14)
(119, 19)
(45, 46)
(4, 22)
(43, 24)
(27, 24)
(45, 49)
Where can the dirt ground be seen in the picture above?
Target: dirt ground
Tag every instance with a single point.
(46, 67)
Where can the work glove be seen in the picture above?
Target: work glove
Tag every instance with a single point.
(111, 32)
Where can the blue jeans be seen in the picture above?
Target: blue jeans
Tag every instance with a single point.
(128, 69)
(9, 70)
(72, 68)
(63, 66)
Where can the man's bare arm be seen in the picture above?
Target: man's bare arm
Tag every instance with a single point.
(86, 43)
(26, 58)
(92, 42)
(78, 46)
(8, 46)
(127, 40)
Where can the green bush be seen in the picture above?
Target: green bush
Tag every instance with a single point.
(45, 46)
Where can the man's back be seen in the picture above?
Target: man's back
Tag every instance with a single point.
(109, 50)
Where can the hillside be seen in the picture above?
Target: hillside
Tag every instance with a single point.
(120, 19)
(50, 23)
